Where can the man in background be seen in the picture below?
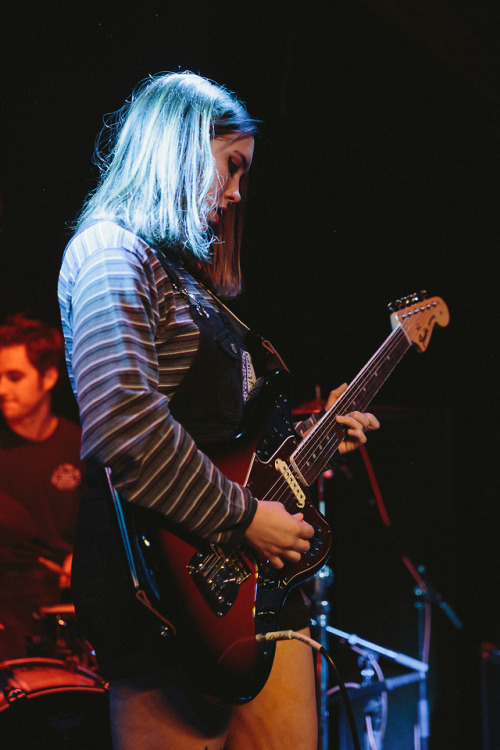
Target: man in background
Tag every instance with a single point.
(41, 479)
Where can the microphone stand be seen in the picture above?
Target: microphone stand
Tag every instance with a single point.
(353, 640)
(418, 673)
(426, 595)
(323, 579)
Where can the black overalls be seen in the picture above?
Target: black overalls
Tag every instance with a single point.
(209, 404)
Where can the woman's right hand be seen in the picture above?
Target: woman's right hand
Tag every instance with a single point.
(277, 535)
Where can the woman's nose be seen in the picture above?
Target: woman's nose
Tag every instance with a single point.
(232, 192)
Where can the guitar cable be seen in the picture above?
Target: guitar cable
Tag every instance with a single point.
(288, 635)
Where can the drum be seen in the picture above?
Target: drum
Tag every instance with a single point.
(48, 703)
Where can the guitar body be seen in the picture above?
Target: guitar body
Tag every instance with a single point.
(216, 599)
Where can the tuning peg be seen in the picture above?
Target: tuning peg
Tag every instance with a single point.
(418, 296)
(398, 304)
(411, 299)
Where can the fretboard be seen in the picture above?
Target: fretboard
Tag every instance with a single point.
(322, 442)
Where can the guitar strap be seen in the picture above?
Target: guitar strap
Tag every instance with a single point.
(269, 359)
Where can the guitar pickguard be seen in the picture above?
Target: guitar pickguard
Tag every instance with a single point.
(279, 427)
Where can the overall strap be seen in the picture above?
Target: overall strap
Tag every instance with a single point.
(253, 340)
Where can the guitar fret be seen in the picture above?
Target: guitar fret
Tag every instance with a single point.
(316, 450)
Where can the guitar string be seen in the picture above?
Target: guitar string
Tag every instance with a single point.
(330, 434)
(387, 350)
(409, 325)
(316, 447)
(280, 489)
(210, 567)
(392, 345)
(218, 559)
(274, 491)
(325, 440)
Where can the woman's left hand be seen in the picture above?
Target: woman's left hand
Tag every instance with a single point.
(357, 423)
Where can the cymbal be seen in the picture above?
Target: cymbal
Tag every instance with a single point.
(309, 406)
(58, 609)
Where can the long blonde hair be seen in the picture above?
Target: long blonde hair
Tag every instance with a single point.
(157, 169)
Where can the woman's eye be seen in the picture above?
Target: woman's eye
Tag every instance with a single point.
(233, 168)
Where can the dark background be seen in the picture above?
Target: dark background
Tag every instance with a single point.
(376, 176)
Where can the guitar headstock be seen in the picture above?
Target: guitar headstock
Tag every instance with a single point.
(418, 314)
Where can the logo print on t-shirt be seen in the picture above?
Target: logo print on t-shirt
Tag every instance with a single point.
(66, 477)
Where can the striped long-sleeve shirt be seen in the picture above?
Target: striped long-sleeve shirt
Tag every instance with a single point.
(129, 341)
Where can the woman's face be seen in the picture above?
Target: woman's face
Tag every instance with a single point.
(233, 158)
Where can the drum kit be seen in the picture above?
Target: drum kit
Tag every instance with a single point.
(52, 703)
(56, 699)
(53, 696)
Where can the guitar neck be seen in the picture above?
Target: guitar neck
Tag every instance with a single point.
(320, 445)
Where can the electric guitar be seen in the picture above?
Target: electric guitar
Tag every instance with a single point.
(214, 599)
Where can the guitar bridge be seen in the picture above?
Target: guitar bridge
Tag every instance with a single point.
(218, 576)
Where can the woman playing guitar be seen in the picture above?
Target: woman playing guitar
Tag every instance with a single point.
(162, 375)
